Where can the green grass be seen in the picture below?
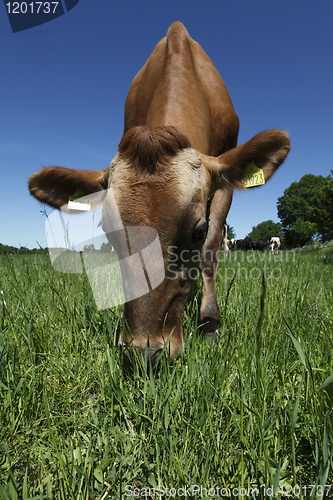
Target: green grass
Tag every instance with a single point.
(253, 410)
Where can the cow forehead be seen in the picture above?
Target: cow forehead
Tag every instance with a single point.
(182, 176)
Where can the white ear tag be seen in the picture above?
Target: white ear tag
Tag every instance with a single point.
(74, 202)
(78, 205)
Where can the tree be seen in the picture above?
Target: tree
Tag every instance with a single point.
(231, 233)
(106, 247)
(306, 210)
(265, 230)
(6, 249)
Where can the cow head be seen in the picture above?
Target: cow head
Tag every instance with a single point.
(158, 181)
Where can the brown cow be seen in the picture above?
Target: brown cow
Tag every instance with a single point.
(176, 102)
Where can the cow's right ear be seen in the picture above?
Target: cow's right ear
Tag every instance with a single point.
(267, 150)
(55, 185)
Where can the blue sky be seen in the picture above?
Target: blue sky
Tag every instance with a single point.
(64, 84)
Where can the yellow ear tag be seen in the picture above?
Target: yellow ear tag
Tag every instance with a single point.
(254, 176)
(74, 202)
(79, 193)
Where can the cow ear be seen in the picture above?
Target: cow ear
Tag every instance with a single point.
(54, 185)
(267, 150)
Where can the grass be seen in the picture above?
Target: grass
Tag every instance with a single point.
(251, 414)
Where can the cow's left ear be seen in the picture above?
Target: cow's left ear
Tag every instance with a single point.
(267, 150)
(54, 185)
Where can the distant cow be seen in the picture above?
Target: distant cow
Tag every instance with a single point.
(259, 245)
(231, 243)
(225, 240)
(245, 244)
(178, 151)
(275, 243)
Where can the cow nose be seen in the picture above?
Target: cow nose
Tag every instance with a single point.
(150, 349)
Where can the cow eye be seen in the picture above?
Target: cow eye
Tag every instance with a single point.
(199, 232)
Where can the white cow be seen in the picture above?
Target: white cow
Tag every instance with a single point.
(275, 243)
(225, 238)
(231, 243)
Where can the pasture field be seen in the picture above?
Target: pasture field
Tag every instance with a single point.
(249, 416)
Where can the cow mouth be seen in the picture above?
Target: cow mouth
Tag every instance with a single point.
(151, 350)
(132, 354)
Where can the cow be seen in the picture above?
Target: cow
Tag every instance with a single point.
(275, 243)
(178, 151)
(225, 240)
(259, 245)
(231, 244)
(245, 244)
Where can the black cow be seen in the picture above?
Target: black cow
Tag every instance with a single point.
(244, 244)
(259, 244)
